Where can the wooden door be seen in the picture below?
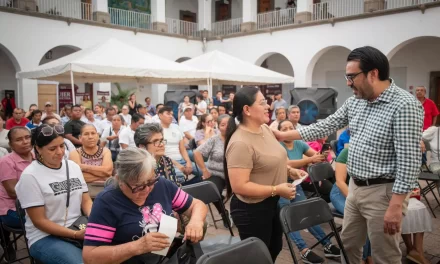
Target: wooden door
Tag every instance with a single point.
(188, 16)
(265, 6)
(222, 11)
(47, 92)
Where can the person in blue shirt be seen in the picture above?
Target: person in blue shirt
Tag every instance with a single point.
(343, 139)
(295, 151)
(35, 119)
(125, 217)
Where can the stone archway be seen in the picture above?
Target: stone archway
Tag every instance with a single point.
(8, 70)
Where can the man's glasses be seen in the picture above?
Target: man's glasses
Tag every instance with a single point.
(350, 77)
(157, 143)
(142, 187)
(49, 130)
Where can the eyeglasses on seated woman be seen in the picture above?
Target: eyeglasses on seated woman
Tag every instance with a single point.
(123, 225)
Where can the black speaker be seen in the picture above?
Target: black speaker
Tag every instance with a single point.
(314, 103)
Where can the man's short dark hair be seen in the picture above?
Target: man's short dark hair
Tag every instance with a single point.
(222, 105)
(370, 58)
(76, 106)
(108, 109)
(159, 104)
(164, 109)
(136, 117)
(200, 96)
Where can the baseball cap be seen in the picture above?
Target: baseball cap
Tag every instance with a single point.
(186, 108)
(48, 103)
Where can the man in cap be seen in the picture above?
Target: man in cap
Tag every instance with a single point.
(48, 107)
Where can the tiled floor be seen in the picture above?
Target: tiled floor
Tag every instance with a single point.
(432, 241)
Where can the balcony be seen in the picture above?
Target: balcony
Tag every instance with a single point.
(278, 19)
(63, 8)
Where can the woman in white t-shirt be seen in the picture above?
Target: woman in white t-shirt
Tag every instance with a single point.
(201, 106)
(42, 191)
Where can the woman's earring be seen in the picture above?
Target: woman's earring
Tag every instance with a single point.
(40, 158)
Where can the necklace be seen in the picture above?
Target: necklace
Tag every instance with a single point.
(94, 156)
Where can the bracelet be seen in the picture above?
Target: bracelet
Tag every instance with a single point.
(274, 190)
(74, 234)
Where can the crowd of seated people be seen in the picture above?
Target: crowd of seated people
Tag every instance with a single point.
(148, 160)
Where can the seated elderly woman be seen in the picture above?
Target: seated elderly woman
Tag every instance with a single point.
(150, 138)
(213, 150)
(43, 192)
(280, 114)
(95, 161)
(124, 221)
(12, 165)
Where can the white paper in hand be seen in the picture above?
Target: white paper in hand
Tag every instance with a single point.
(168, 227)
(300, 180)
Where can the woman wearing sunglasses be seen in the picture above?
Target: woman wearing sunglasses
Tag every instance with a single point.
(95, 161)
(42, 191)
(124, 221)
(68, 145)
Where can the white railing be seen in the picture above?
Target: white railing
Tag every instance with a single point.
(391, 4)
(185, 28)
(65, 8)
(226, 27)
(276, 19)
(337, 8)
(131, 19)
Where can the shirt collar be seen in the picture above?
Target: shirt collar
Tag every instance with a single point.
(19, 159)
(387, 95)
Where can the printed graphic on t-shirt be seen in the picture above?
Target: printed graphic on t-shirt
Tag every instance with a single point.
(61, 187)
(150, 219)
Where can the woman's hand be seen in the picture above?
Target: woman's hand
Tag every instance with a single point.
(194, 231)
(152, 242)
(206, 174)
(286, 190)
(188, 169)
(79, 235)
(317, 158)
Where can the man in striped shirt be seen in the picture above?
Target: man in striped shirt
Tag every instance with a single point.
(384, 159)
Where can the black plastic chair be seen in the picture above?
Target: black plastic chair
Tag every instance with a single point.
(207, 192)
(305, 214)
(17, 234)
(319, 172)
(249, 251)
(431, 182)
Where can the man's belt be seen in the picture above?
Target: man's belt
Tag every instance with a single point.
(369, 182)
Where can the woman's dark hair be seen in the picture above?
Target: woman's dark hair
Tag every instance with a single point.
(47, 118)
(40, 140)
(213, 109)
(35, 112)
(202, 120)
(200, 96)
(244, 96)
(14, 130)
(370, 58)
(282, 122)
(186, 96)
(32, 105)
(85, 126)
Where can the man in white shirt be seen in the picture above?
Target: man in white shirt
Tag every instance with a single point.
(294, 115)
(109, 112)
(175, 147)
(126, 136)
(142, 110)
(48, 107)
(188, 123)
(201, 106)
(125, 115)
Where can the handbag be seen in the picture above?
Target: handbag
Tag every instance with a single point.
(187, 253)
(80, 223)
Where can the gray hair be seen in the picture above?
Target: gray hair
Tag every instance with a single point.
(279, 109)
(144, 133)
(132, 163)
(292, 107)
(221, 117)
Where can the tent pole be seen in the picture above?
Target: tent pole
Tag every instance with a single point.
(73, 87)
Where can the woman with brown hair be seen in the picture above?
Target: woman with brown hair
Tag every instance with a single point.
(205, 129)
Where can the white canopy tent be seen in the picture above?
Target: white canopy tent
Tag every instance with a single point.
(114, 61)
(226, 69)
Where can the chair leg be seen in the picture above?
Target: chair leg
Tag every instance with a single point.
(427, 202)
(212, 216)
(292, 252)
(339, 240)
(431, 188)
(227, 220)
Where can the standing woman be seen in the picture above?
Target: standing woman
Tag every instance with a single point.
(43, 193)
(255, 168)
(132, 104)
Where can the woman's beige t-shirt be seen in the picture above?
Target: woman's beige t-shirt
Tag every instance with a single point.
(260, 152)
